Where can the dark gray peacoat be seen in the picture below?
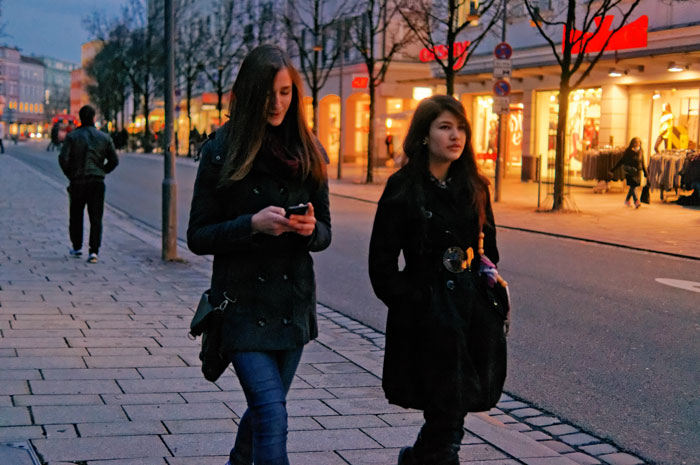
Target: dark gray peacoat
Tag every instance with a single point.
(270, 280)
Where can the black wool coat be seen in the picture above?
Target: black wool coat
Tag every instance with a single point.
(269, 279)
(436, 333)
(633, 165)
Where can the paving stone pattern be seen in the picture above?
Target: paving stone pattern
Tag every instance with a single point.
(96, 368)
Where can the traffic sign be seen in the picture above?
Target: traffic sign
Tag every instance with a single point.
(501, 88)
(503, 51)
(501, 105)
(502, 68)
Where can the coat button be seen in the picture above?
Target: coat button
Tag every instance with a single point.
(285, 277)
(262, 322)
(283, 190)
(218, 157)
(261, 279)
(450, 284)
(256, 190)
(287, 321)
(428, 214)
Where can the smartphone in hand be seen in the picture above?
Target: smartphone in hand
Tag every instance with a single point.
(296, 210)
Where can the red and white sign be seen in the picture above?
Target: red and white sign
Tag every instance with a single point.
(503, 51)
(359, 82)
(441, 52)
(632, 35)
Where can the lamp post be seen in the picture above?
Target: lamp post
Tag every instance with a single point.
(502, 143)
(169, 182)
(342, 102)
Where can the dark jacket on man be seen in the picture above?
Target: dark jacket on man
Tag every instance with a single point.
(87, 155)
(434, 324)
(269, 280)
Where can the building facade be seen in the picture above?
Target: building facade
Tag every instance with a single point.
(626, 95)
(79, 80)
(57, 85)
(30, 112)
(9, 86)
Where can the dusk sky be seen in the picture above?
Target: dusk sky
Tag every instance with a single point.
(51, 27)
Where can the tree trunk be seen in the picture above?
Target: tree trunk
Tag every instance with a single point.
(189, 116)
(314, 104)
(450, 80)
(147, 146)
(219, 94)
(370, 133)
(560, 160)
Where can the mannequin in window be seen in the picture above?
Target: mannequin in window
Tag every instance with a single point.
(665, 128)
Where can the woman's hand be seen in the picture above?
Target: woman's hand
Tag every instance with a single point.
(271, 220)
(303, 225)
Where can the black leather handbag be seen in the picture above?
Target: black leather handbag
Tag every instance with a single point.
(207, 322)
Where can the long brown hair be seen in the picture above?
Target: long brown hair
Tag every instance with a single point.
(465, 167)
(250, 98)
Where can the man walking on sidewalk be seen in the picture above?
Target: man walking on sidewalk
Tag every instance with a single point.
(86, 157)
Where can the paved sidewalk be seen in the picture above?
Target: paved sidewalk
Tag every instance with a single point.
(95, 367)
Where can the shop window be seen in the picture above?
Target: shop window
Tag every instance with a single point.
(582, 128)
(334, 134)
(361, 126)
(484, 128)
(669, 116)
(394, 105)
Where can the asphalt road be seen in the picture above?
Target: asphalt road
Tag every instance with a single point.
(596, 339)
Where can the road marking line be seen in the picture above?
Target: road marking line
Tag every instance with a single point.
(687, 285)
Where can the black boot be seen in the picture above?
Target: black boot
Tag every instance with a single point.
(445, 455)
(407, 457)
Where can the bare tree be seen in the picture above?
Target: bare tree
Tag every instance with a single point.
(580, 22)
(260, 25)
(438, 26)
(135, 36)
(190, 59)
(109, 90)
(378, 35)
(318, 38)
(222, 51)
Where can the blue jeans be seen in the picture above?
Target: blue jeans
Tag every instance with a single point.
(262, 431)
(632, 194)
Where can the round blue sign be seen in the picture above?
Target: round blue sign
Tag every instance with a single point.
(501, 88)
(503, 51)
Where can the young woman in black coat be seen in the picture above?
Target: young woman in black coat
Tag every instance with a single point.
(632, 163)
(260, 163)
(445, 350)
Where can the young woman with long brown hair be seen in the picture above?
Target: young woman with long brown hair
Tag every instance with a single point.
(260, 164)
(445, 348)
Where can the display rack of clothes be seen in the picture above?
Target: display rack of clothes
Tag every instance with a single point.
(665, 170)
(690, 179)
(597, 163)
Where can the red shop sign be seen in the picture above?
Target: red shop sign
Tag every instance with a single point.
(360, 82)
(440, 52)
(632, 35)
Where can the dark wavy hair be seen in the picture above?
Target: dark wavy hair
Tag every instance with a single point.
(250, 99)
(463, 170)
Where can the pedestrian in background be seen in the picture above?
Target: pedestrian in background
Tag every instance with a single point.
(632, 163)
(441, 347)
(2, 136)
(260, 162)
(54, 143)
(86, 157)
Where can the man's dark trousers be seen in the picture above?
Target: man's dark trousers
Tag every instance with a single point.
(92, 195)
